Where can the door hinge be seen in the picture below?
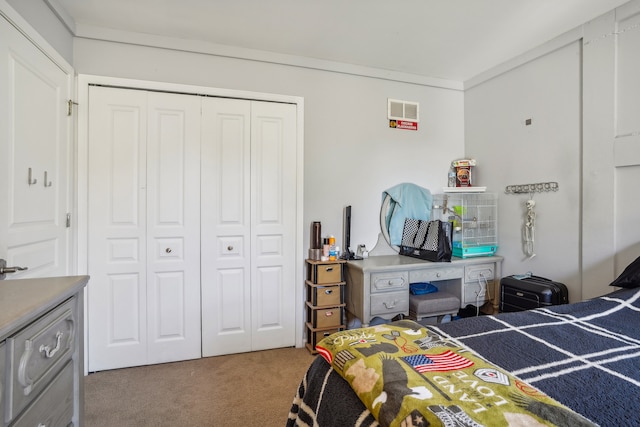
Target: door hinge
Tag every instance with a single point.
(70, 105)
(68, 220)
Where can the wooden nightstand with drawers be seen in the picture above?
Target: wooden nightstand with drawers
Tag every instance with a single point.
(325, 300)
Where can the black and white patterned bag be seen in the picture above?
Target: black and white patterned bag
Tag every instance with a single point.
(429, 240)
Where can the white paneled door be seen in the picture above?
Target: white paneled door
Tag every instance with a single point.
(611, 147)
(35, 146)
(248, 225)
(144, 228)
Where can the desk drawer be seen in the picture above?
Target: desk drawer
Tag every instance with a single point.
(54, 406)
(382, 282)
(38, 353)
(479, 272)
(435, 274)
(390, 303)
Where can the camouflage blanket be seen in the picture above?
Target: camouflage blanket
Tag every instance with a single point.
(408, 375)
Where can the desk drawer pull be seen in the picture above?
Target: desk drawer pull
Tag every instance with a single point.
(48, 352)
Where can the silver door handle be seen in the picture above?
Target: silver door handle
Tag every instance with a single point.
(4, 269)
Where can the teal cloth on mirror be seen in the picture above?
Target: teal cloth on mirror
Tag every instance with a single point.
(407, 201)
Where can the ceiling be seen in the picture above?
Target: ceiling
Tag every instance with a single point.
(447, 39)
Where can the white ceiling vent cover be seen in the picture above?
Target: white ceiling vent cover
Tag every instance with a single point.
(403, 110)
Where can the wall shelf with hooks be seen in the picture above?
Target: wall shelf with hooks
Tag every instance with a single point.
(539, 187)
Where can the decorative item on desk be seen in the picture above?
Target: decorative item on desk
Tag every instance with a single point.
(315, 251)
(362, 252)
(332, 248)
(463, 167)
(451, 177)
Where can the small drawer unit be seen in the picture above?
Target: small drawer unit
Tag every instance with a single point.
(325, 300)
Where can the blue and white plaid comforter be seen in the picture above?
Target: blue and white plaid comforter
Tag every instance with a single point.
(585, 355)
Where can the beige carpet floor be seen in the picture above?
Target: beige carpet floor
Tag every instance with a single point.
(247, 389)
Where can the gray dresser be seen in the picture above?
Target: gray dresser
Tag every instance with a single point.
(41, 352)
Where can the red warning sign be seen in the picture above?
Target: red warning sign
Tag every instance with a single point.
(403, 124)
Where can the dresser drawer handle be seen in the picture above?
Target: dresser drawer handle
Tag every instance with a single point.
(328, 291)
(328, 313)
(390, 306)
(328, 269)
(48, 352)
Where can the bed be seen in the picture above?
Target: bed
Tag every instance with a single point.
(584, 358)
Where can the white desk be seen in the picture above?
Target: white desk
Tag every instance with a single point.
(378, 286)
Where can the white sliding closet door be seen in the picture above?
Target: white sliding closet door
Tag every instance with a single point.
(248, 225)
(143, 216)
(173, 227)
(273, 219)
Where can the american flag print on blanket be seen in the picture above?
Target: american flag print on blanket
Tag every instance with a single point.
(447, 361)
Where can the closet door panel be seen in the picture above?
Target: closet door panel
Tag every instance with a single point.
(173, 226)
(273, 218)
(117, 222)
(226, 260)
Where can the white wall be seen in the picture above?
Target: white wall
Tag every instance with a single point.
(351, 155)
(546, 90)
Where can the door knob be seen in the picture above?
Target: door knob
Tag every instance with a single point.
(4, 269)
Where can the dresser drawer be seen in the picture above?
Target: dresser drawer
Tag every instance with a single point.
(479, 272)
(38, 353)
(54, 406)
(435, 274)
(390, 303)
(382, 282)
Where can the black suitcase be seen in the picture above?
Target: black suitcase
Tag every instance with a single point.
(518, 293)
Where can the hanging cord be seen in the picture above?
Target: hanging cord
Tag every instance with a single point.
(483, 284)
(528, 230)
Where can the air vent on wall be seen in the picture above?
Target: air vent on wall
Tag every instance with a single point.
(402, 110)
